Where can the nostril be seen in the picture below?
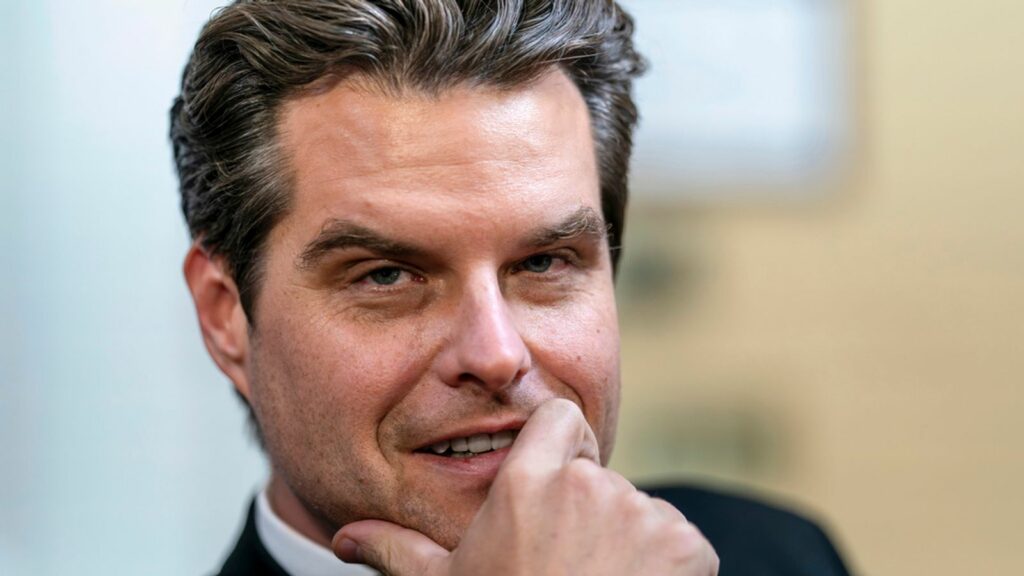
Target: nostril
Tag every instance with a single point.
(493, 381)
(471, 378)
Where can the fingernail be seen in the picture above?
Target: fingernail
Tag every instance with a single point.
(348, 551)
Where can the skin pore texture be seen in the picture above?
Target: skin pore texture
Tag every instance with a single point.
(442, 271)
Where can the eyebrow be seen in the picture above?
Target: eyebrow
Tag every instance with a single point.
(583, 223)
(341, 235)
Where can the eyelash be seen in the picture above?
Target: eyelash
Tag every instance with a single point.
(367, 281)
(566, 259)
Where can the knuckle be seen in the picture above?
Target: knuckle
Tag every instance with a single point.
(636, 504)
(581, 475)
(686, 542)
(668, 510)
(620, 481)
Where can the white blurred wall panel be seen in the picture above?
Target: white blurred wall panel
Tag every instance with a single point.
(741, 94)
(126, 447)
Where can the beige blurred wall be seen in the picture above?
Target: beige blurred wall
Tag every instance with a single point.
(860, 356)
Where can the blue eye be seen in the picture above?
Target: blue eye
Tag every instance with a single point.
(385, 276)
(537, 264)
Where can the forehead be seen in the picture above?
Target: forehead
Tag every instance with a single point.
(371, 129)
(355, 151)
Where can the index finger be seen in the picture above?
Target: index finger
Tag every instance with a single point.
(555, 434)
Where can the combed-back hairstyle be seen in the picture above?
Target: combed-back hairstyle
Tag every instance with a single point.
(252, 55)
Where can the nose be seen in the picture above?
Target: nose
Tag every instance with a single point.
(486, 348)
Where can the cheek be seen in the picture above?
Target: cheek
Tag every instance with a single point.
(325, 394)
(578, 347)
(582, 333)
(320, 382)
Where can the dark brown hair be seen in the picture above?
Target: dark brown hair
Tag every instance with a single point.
(254, 54)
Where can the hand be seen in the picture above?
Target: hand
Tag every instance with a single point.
(551, 510)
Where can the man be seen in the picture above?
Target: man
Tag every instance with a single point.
(406, 217)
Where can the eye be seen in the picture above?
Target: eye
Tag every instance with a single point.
(385, 276)
(538, 264)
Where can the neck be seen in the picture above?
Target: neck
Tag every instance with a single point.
(293, 512)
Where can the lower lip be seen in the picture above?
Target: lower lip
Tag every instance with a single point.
(480, 468)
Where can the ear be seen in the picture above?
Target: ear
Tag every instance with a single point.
(221, 317)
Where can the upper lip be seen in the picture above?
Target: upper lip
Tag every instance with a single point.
(491, 426)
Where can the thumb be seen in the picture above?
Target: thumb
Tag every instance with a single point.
(390, 548)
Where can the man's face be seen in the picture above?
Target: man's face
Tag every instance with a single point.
(443, 270)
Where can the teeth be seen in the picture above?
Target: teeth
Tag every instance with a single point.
(476, 444)
(502, 439)
(480, 443)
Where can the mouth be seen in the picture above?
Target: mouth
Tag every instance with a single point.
(471, 445)
(466, 458)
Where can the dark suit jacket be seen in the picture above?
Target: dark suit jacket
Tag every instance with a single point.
(751, 538)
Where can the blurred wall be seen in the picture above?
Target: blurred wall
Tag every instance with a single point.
(122, 449)
(861, 356)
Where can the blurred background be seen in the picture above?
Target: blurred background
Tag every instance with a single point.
(822, 296)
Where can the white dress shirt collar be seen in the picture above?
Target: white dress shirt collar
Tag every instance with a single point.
(298, 555)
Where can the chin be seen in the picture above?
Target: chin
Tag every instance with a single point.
(449, 536)
(443, 522)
